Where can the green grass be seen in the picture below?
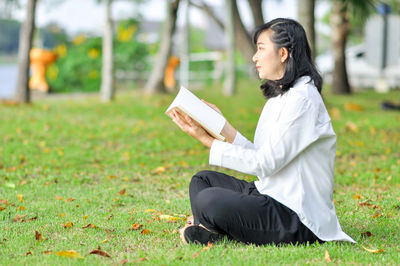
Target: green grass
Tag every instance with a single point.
(66, 160)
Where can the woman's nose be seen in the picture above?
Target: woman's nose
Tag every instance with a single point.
(254, 58)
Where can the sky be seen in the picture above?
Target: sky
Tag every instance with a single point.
(87, 15)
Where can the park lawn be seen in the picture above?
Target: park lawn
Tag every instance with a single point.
(85, 175)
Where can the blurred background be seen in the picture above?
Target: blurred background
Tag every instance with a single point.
(103, 46)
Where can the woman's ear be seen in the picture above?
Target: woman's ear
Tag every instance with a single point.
(283, 54)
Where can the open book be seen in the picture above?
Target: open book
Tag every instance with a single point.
(188, 103)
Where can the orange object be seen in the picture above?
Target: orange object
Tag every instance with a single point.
(169, 79)
(40, 59)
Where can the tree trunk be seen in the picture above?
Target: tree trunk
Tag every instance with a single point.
(156, 80)
(22, 93)
(305, 13)
(339, 24)
(230, 79)
(107, 72)
(256, 11)
(242, 38)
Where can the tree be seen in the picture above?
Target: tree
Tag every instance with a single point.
(107, 88)
(340, 29)
(243, 39)
(156, 80)
(305, 14)
(22, 93)
(230, 80)
(257, 12)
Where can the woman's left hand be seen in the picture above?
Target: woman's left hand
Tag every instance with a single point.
(192, 128)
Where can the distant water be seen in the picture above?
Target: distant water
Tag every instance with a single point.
(8, 78)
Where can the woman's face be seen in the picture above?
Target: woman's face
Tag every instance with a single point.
(269, 62)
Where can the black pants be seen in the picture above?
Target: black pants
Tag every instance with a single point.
(235, 208)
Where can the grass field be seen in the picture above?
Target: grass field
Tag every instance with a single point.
(77, 175)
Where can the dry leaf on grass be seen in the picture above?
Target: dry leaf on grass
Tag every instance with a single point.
(21, 218)
(159, 170)
(209, 245)
(373, 250)
(366, 234)
(89, 225)
(38, 236)
(28, 253)
(353, 107)
(68, 225)
(327, 257)
(136, 227)
(351, 126)
(145, 232)
(69, 254)
(122, 192)
(99, 252)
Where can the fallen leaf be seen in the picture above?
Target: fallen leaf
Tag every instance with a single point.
(327, 257)
(377, 215)
(47, 252)
(28, 253)
(69, 199)
(109, 217)
(367, 204)
(159, 170)
(209, 245)
(100, 252)
(69, 254)
(335, 113)
(61, 214)
(366, 234)
(195, 255)
(22, 208)
(357, 196)
(38, 236)
(123, 262)
(136, 226)
(104, 241)
(145, 232)
(20, 197)
(19, 218)
(373, 250)
(89, 225)
(2, 208)
(59, 198)
(122, 192)
(68, 225)
(85, 217)
(150, 210)
(351, 126)
(353, 107)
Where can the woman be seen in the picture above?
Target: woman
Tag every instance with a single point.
(293, 156)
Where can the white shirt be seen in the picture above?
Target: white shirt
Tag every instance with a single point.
(293, 157)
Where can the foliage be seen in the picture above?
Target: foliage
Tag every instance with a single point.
(78, 67)
(89, 177)
(9, 36)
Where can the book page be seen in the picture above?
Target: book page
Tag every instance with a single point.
(207, 117)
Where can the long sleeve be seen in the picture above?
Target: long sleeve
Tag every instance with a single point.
(295, 130)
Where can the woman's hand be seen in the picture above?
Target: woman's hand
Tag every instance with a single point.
(192, 128)
(229, 132)
(213, 106)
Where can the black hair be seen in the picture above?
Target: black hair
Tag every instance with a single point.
(290, 34)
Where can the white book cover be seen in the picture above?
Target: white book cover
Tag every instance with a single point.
(188, 103)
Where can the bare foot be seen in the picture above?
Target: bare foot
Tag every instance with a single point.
(190, 220)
